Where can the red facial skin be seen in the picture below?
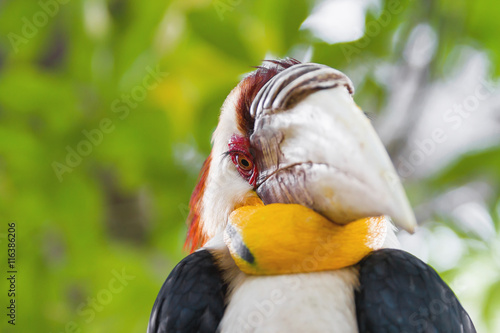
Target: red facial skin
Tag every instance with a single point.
(239, 150)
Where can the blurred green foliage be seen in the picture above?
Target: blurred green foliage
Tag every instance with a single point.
(122, 204)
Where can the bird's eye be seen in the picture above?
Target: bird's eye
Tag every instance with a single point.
(240, 152)
(243, 162)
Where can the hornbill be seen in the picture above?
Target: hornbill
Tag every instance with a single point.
(291, 221)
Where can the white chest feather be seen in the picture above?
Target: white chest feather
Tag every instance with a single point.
(310, 302)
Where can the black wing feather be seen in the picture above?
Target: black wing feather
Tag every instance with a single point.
(191, 299)
(400, 293)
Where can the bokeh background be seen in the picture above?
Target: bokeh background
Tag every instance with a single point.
(106, 113)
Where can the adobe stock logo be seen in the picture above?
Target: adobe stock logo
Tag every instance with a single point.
(372, 30)
(121, 108)
(32, 25)
(454, 117)
(92, 306)
(223, 6)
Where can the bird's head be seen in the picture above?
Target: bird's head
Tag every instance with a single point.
(291, 133)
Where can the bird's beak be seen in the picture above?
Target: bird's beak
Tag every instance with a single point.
(315, 147)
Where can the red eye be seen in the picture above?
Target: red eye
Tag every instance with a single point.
(243, 162)
(239, 150)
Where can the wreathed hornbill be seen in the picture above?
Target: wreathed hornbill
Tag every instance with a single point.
(291, 221)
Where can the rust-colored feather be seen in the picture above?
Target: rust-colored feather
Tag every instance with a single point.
(250, 86)
(195, 237)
